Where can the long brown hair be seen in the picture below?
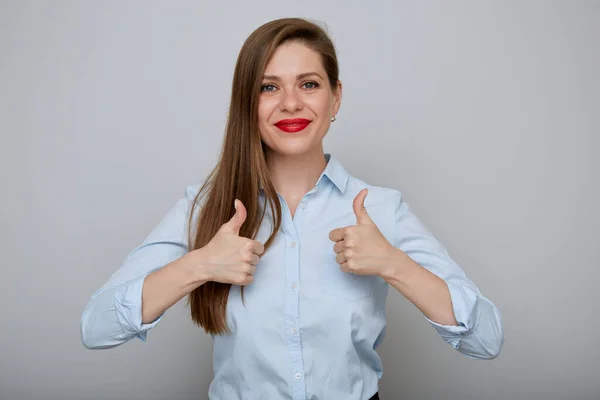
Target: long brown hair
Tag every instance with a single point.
(242, 169)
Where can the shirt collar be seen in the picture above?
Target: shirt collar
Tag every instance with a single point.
(334, 171)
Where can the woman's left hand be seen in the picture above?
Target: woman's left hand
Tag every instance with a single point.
(362, 249)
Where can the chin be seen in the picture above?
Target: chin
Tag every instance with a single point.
(292, 149)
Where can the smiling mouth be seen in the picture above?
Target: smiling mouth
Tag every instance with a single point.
(293, 125)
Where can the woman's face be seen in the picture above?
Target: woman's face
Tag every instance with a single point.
(296, 101)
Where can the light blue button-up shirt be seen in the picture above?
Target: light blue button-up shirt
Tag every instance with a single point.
(307, 330)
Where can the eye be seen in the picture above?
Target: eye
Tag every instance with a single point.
(310, 85)
(267, 88)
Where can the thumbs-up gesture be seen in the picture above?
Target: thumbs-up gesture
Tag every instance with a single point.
(230, 258)
(362, 249)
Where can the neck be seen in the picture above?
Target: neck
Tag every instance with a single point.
(293, 176)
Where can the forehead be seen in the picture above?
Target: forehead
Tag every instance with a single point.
(293, 58)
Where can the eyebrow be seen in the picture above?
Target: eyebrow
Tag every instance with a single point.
(298, 77)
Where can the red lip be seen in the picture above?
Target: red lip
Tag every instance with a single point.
(292, 125)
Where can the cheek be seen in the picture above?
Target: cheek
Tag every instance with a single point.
(322, 105)
(265, 110)
(262, 114)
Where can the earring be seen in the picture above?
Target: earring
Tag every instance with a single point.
(333, 119)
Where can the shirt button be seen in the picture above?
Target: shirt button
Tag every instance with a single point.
(294, 285)
(293, 244)
(293, 330)
(298, 375)
(303, 205)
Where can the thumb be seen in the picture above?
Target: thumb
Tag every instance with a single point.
(362, 216)
(238, 219)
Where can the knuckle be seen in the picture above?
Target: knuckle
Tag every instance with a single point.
(242, 279)
(351, 265)
(245, 253)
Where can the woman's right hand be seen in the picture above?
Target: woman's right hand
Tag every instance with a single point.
(229, 258)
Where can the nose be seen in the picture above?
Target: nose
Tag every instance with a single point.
(290, 101)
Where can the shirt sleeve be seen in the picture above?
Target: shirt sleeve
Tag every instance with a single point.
(113, 314)
(479, 333)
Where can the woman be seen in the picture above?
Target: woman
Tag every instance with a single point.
(286, 257)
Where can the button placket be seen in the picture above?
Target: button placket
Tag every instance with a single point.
(292, 306)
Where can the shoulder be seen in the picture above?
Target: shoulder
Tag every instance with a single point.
(382, 203)
(190, 200)
(378, 195)
(192, 190)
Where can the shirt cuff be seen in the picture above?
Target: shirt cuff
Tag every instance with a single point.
(466, 312)
(128, 304)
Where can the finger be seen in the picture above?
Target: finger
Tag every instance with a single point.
(244, 279)
(337, 234)
(257, 247)
(344, 267)
(238, 219)
(255, 259)
(340, 258)
(339, 247)
(246, 268)
(362, 216)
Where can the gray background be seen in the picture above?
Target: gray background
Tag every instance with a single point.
(486, 114)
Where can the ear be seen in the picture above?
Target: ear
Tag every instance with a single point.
(337, 99)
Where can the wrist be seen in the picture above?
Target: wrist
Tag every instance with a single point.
(197, 267)
(398, 267)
